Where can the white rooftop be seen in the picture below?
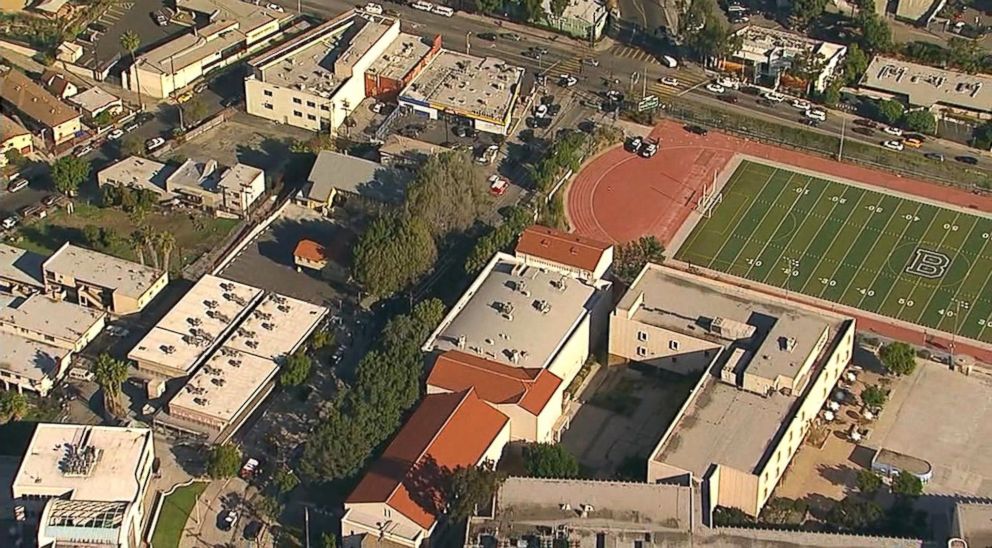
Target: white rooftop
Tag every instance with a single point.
(760, 43)
(484, 87)
(21, 265)
(225, 383)
(135, 171)
(30, 359)
(129, 278)
(400, 57)
(276, 327)
(57, 319)
(94, 99)
(113, 476)
(238, 176)
(926, 86)
(501, 318)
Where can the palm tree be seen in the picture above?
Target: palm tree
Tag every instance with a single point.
(131, 42)
(139, 246)
(167, 243)
(110, 374)
(148, 239)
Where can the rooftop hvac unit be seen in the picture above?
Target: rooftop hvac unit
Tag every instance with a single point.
(731, 329)
(195, 321)
(218, 381)
(234, 363)
(251, 343)
(169, 349)
(284, 308)
(212, 303)
(226, 286)
(461, 341)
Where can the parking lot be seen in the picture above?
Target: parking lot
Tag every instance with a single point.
(246, 139)
(119, 18)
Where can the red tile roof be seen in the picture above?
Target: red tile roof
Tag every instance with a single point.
(494, 382)
(311, 251)
(445, 432)
(561, 247)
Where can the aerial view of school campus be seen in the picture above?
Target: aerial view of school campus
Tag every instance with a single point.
(494, 274)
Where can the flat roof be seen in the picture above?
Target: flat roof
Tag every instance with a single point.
(398, 145)
(400, 57)
(763, 40)
(138, 172)
(94, 99)
(21, 265)
(355, 175)
(366, 32)
(225, 382)
(311, 66)
(483, 87)
(129, 278)
(239, 176)
(524, 334)
(113, 478)
(589, 11)
(30, 359)
(58, 319)
(904, 462)
(192, 325)
(32, 99)
(926, 86)
(276, 327)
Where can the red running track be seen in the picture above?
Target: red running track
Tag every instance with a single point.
(619, 197)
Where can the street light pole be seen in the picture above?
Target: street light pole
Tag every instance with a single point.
(468, 44)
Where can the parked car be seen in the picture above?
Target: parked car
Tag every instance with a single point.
(728, 98)
(464, 131)
(230, 520)
(154, 143)
(669, 61)
(698, 130)
(863, 130)
(912, 142)
(491, 36)
(160, 18)
(970, 160)
(715, 88)
(634, 144)
(591, 62)
(248, 469)
(567, 81)
(82, 150)
(535, 55)
(49, 201)
(118, 331)
(374, 9)
(184, 97)
(443, 10)
(200, 88)
(422, 6)
(866, 123)
(801, 104)
(115, 134)
(9, 222)
(893, 144)
(540, 111)
(510, 36)
(498, 185)
(773, 96)
(17, 184)
(816, 114)
(935, 156)
(891, 130)
(648, 149)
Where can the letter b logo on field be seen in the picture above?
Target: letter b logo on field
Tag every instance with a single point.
(928, 264)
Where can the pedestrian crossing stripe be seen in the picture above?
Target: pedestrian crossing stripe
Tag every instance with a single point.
(634, 53)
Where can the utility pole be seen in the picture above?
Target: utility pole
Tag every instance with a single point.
(306, 525)
(468, 43)
(843, 126)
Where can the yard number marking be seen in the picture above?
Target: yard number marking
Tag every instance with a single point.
(905, 302)
(828, 281)
(754, 262)
(868, 292)
(911, 217)
(838, 199)
(875, 208)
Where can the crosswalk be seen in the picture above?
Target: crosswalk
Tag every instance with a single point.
(636, 54)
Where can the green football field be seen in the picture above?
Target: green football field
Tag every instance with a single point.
(898, 257)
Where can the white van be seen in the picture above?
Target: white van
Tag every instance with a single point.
(422, 6)
(443, 10)
(80, 374)
(669, 62)
(374, 9)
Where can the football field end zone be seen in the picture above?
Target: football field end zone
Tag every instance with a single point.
(936, 341)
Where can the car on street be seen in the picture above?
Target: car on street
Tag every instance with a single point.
(160, 18)
(275, 7)
(728, 98)
(491, 36)
(538, 123)
(488, 155)
(96, 26)
(729, 83)
(184, 97)
(773, 97)
(118, 331)
(540, 111)
(800, 104)
(591, 62)
(9, 222)
(912, 142)
(535, 55)
(17, 184)
(498, 185)
(567, 81)
(443, 10)
(893, 144)
(816, 114)
(669, 81)
(866, 123)
(648, 149)
(248, 469)
(81, 151)
(374, 9)
(540, 49)
(698, 130)
(970, 160)
(463, 131)
(200, 88)
(154, 143)
(49, 201)
(115, 135)
(229, 520)
(510, 36)
(715, 88)
(422, 6)
(634, 144)
(891, 130)
(935, 156)
(669, 61)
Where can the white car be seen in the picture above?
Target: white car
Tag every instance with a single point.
(799, 104)
(118, 331)
(442, 10)
(773, 97)
(715, 88)
(115, 135)
(893, 144)
(374, 9)
(154, 143)
(728, 83)
(230, 520)
(422, 6)
(275, 7)
(669, 81)
(814, 114)
(591, 62)
(669, 62)
(9, 222)
(893, 131)
(567, 80)
(541, 111)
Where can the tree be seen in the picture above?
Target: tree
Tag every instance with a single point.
(132, 146)
(922, 121)
(546, 460)
(889, 111)
(965, 54)
(68, 172)
(13, 406)
(807, 67)
(632, 256)
(531, 10)
(869, 482)
(393, 253)
(489, 6)
(558, 7)
(898, 358)
(285, 481)
(906, 484)
(321, 338)
(982, 136)
(104, 119)
(166, 244)
(448, 193)
(131, 42)
(805, 12)
(224, 461)
(724, 516)
(470, 487)
(110, 374)
(328, 540)
(267, 507)
(855, 64)
(853, 514)
(296, 370)
(874, 396)
(876, 36)
(15, 158)
(784, 511)
(498, 239)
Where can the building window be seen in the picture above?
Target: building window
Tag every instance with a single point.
(268, 106)
(673, 344)
(311, 117)
(267, 93)
(641, 351)
(642, 336)
(298, 114)
(311, 104)
(297, 100)
(324, 107)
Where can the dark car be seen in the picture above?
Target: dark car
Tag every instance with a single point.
(49, 200)
(729, 98)
(864, 122)
(491, 36)
(863, 130)
(698, 130)
(935, 156)
(970, 160)
(633, 144)
(97, 26)
(766, 103)
(253, 530)
(510, 36)
(917, 136)
(810, 122)
(532, 54)
(464, 131)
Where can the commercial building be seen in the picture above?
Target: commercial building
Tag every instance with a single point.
(334, 173)
(401, 497)
(481, 91)
(315, 80)
(20, 271)
(13, 136)
(86, 485)
(55, 121)
(767, 54)
(941, 91)
(584, 19)
(96, 101)
(229, 339)
(235, 30)
(766, 367)
(206, 185)
(101, 281)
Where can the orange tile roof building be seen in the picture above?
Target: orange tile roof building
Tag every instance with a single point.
(310, 254)
(37, 107)
(584, 257)
(401, 496)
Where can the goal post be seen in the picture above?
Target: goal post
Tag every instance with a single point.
(709, 198)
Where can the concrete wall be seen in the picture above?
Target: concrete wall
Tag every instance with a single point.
(523, 425)
(549, 416)
(637, 341)
(573, 354)
(10, 380)
(352, 529)
(282, 104)
(737, 489)
(495, 449)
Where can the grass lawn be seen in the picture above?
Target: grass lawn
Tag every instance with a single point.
(916, 261)
(195, 232)
(175, 511)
